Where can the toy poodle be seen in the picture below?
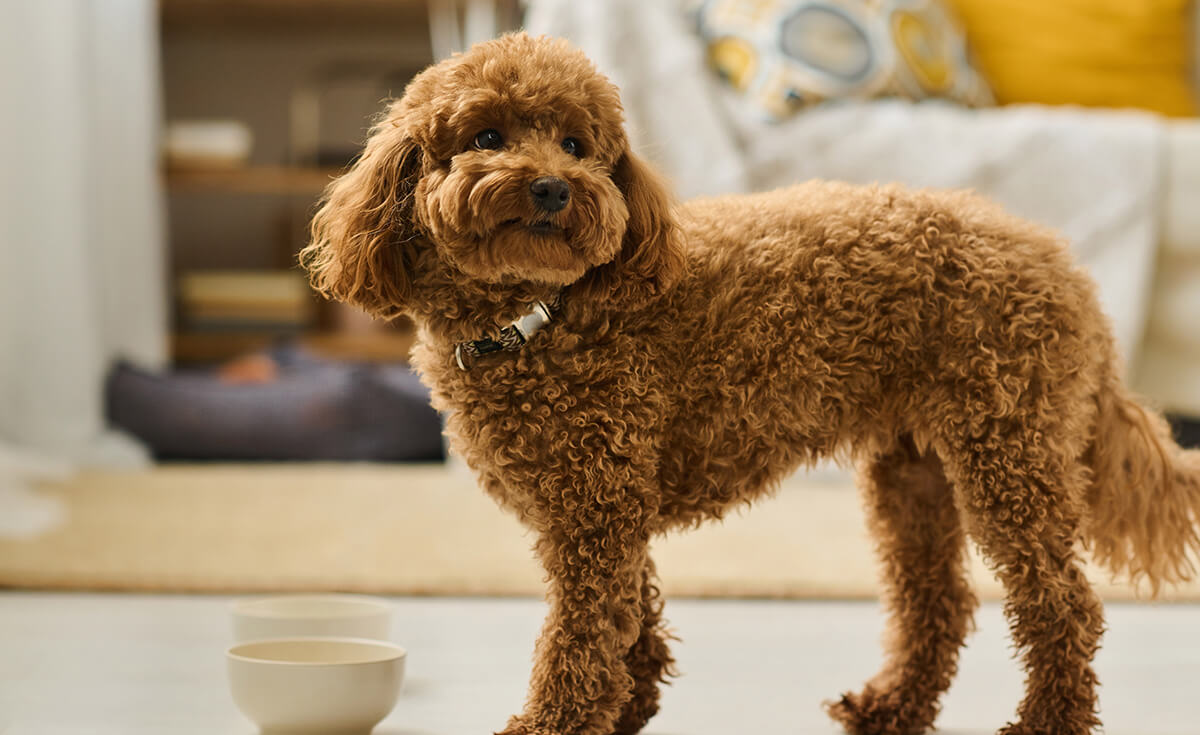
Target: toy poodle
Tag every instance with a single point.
(615, 366)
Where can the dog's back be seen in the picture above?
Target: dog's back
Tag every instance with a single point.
(827, 318)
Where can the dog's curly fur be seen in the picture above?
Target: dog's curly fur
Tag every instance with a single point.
(704, 351)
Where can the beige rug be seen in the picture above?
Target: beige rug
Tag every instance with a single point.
(408, 530)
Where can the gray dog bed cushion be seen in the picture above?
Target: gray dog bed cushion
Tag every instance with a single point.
(314, 410)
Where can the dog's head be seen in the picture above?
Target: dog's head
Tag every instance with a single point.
(504, 165)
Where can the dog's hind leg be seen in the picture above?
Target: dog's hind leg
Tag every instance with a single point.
(649, 660)
(912, 515)
(1022, 503)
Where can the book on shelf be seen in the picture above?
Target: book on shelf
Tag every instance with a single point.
(245, 300)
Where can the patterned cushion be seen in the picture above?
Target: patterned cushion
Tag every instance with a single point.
(785, 54)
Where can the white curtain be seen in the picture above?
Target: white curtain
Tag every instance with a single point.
(82, 258)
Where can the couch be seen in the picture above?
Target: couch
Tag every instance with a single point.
(1122, 185)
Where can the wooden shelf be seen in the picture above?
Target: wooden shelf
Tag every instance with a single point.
(210, 347)
(252, 179)
(390, 346)
(274, 14)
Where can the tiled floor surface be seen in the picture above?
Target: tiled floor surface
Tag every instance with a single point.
(141, 664)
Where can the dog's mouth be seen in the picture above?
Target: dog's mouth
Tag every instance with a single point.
(540, 227)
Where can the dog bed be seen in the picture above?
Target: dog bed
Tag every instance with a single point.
(312, 410)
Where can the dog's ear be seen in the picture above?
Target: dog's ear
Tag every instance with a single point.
(651, 258)
(362, 232)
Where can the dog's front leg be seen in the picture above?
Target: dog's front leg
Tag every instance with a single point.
(649, 659)
(581, 681)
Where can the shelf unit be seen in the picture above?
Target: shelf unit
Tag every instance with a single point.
(228, 59)
(222, 47)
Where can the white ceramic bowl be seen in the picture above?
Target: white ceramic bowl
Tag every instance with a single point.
(293, 616)
(316, 686)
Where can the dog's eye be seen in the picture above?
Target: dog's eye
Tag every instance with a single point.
(489, 140)
(573, 147)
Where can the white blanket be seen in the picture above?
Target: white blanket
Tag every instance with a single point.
(1093, 175)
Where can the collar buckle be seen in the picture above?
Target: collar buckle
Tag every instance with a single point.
(510, 339)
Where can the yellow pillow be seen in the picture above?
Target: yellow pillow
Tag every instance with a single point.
(1100, 53)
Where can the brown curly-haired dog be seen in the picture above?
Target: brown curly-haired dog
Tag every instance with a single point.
(695, 355)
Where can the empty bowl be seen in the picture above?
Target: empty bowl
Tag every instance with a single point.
(293, 616)
(316, 686)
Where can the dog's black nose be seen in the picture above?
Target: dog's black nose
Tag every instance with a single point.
(551, 193)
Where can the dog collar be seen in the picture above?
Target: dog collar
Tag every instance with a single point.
(511, 338)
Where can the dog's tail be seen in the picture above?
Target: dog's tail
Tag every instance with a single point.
(1145, 494)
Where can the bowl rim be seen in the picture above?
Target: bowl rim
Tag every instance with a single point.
(368, 606)
(397, 652)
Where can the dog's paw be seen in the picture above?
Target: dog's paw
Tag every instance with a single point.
(1021, 728)
(518, 726)
(873, 712)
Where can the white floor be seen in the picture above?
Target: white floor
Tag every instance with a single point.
(101, 664)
